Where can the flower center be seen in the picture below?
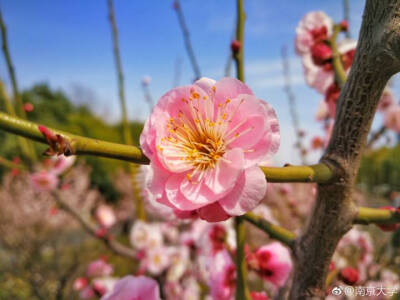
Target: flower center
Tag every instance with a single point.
(200, 136)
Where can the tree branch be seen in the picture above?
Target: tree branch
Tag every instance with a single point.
(376, 60)
(274, 231)
(320, 173)
(186, 38)
(79, 145)
(366, 215)
(112, 244)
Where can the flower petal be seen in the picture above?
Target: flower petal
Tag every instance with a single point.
(222, 179)
(213, 213)
(247, 194)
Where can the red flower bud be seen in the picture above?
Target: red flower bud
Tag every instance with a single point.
(344, 25)
(28, 107)
(349, 275)
(235, 46)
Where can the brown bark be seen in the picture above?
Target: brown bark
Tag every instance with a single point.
(376, 60)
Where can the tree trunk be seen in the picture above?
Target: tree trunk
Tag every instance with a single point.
(376, 60)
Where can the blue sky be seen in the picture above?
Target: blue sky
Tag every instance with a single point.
(68, 45)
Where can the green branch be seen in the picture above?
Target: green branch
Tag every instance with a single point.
(366, 215)
(242, 291)
(86, 146)
(274, 231)
(238, 55)
(340, 73)
(79, 145)
(319, 173)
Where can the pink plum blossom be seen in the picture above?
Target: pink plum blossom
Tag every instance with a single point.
(99, 268)
(315, 76)
(43, 181)
(105, 215)
(134, 288)
(314, 27)
(392, 117)
(222, 277)
(157, 260)
(273, 263)
(146, 236)
(205, 142)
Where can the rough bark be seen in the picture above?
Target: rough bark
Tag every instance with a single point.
(376, 60)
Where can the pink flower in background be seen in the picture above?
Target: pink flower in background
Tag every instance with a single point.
(146, 236)
(347, 48)
(99, 268)
(105, 215)
(259, 296)
(61, 163)
(205, 142)
(321, 53)
(222, 276)
(273, 263)
(392, 117)
(314, 27)
(134, 288)
(87, 293)
(157, 260)
(44, 181)
(80, 283)
(103, 285)
(316, 77)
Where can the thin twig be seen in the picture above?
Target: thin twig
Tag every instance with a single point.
(112, 244)
(274, 231)
(139, 205)
(292, 104)
(186, 37)
(346, 16)
(10, 67)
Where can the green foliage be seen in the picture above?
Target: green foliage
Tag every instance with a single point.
(381, 168)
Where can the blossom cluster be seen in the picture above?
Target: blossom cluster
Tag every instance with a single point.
(313, 44)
